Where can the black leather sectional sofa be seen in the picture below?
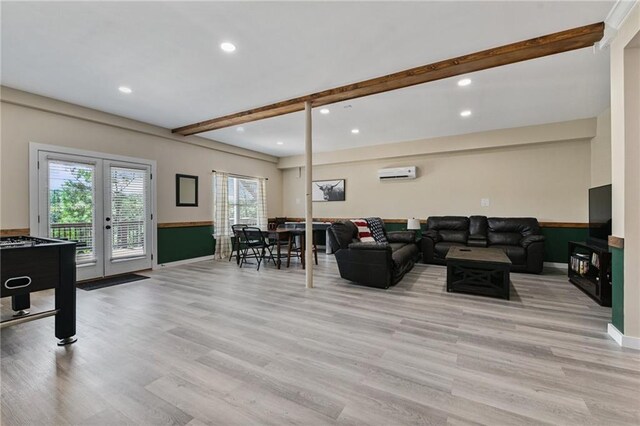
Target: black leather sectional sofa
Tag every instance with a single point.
(373, 264)
(520, 238)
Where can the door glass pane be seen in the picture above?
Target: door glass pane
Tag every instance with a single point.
(128, 212)
(72, 206)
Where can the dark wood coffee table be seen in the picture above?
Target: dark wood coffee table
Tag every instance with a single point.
(477, 270)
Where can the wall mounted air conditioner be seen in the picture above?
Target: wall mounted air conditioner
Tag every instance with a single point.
(397, 173)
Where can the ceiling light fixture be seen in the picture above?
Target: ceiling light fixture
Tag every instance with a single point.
(125, 89)
(324, 111)
(227, 47)
(464, 82)
(465, 113)
(355, 131)
(280, 143)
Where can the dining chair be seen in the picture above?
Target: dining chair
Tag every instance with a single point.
(294, 248)
(254, 240)
(238, 236)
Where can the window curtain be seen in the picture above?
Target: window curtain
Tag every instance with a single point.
(222, 229)
(263, 222)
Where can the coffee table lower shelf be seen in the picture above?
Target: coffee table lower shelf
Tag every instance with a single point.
(479, 271)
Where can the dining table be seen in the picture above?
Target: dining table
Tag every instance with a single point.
(287, 233)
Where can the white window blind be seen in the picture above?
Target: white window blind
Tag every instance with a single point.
(243, 201)
(71, 205)
(128, 212)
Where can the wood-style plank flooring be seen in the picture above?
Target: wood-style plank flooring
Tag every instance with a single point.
(208, 343)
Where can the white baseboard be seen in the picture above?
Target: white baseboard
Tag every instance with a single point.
(184, 262)
(621, 339)
(555, 265)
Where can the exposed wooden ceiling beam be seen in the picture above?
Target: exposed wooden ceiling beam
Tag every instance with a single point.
(564, 41)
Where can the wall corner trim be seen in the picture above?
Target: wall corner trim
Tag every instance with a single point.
(621, 339)
(617, 242)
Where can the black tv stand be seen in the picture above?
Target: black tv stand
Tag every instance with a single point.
(590, 270)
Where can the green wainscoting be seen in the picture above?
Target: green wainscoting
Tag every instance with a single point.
(556, 243)
(617, 290)
(184, 243)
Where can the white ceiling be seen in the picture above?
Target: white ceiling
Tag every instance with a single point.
(168, 53)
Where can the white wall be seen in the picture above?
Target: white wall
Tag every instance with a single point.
(549, 181)
(601, 151)
(30, 118)
(625, 147)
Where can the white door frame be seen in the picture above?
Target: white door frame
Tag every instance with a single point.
(118, 266)
(34, 198)
(88, 270)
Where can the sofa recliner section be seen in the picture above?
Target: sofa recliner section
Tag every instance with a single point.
(520, 238)
(379, 265)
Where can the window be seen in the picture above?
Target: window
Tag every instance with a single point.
(243, 201)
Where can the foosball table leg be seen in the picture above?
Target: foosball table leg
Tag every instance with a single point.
(65, 322)
(20, 304)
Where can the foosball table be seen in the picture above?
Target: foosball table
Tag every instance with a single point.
(30, 264)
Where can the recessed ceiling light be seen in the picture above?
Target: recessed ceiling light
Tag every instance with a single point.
(240, 129)
(280, 143)
(465, 113)
(125, 89)
(324, 111)
(227, 47)
(355, 131)
(464, 82)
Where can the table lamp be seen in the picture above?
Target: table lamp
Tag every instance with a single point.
(413, 224)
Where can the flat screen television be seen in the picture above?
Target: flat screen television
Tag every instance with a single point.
(599, 215)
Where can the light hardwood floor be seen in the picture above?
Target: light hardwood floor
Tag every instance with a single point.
(209, 343)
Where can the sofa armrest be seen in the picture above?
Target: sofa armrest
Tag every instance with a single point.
(433, 235)
(369, 246)
(401, 237)
(530, 239)
(370, 264)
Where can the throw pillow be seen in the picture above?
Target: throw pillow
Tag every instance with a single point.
(376, 225)
(364, 234)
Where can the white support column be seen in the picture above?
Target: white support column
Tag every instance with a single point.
(308, 203)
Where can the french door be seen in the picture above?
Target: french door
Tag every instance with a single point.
(102, 204)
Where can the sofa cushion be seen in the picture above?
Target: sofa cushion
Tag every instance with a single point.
(450, 223)
(442, 248)
(405, 237)
(517, 254)
(344, 233)
(478, 226)
(396, 246)
(504, 238)
(454, 236)
(522, 225)
(404, 256)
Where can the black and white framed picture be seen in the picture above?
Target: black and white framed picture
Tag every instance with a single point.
(328, 190)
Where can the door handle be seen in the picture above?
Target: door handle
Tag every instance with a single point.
(107, 227)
